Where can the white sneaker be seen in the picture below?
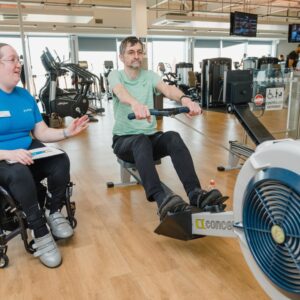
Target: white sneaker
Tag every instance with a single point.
(47, 251)
(59, 225)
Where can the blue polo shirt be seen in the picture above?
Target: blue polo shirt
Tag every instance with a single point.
(18, 115)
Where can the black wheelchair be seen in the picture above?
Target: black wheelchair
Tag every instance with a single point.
(13, 219)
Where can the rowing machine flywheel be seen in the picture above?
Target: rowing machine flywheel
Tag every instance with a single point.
(268, 214)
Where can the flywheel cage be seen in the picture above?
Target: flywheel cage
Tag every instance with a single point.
(271, 221)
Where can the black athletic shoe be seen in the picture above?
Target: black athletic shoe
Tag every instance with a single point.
(205, 201)
(172, 204)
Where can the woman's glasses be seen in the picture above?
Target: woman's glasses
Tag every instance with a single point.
(15, 60)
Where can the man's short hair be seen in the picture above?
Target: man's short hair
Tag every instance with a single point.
(131, 40)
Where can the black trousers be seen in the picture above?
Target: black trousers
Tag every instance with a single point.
(143, 150)
(23, 182)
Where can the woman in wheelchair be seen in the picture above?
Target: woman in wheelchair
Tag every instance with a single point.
(22, 129)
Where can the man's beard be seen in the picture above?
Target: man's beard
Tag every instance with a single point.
(135, 65)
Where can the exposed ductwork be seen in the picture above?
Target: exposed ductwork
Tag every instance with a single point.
(181, 15)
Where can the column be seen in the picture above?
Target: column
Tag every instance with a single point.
(73, 46)
(139, 24)
(139, 18)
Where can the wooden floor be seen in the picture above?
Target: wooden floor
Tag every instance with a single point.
(114, 253)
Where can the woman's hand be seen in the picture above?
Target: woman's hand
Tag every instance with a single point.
(20, 155)
(77, 125)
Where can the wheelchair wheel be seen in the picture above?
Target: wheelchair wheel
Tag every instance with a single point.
(4, 261)
(229, 109)
(73, 222)
(30, 248)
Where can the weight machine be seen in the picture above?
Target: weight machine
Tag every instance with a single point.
(212, 81)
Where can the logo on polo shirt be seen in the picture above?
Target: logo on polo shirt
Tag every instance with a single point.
(27, 110)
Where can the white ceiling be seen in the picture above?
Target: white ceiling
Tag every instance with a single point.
(172, 17)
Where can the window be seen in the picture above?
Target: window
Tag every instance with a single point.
(234, 50)
(58, 46)
(168, 51)
(96, 60)
(14, 41)
(259, 49)
(205, 49)
(97, 50)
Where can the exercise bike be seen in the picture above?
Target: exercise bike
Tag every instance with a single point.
(265, 216)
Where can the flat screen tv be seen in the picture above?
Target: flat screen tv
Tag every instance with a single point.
(243, 24)
(294, 33)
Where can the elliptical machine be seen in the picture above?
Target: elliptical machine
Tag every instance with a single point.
(56, 101)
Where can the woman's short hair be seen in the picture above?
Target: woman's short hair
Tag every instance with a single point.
(2, 45)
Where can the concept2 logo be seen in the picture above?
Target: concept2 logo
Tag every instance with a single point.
(212, 224)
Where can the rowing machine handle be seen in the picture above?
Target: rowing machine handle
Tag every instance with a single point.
(167, 112)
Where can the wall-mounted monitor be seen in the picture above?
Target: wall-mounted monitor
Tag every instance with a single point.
(294, 33)
(243, 24)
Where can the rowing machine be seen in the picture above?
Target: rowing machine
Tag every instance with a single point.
(265, 218)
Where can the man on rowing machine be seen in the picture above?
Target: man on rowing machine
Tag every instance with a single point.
(139, 141)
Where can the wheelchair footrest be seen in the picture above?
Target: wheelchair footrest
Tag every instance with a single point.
(177, 226)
